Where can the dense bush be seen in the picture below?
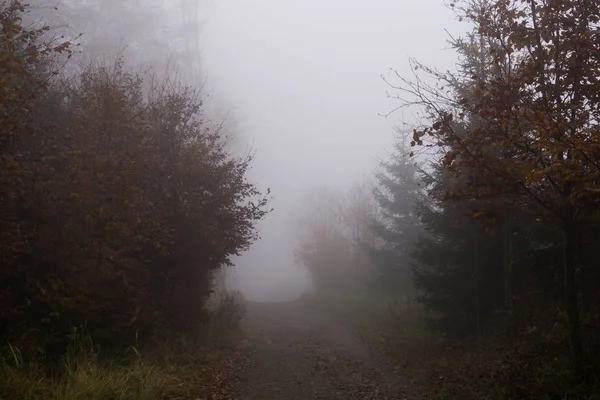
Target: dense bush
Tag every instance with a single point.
(186, 366)
(119, 199)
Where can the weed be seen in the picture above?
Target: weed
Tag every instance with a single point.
(183, 367)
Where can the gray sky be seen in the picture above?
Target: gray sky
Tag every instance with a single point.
(304, 79)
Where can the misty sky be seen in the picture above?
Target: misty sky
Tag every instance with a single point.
(304, 79)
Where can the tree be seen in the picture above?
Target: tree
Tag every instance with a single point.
(333, 229)
(531, 115)
(160, 34)
(323, 248)
(130, 202)
(359, 213)
(398, 227)
(457, 264)
(25, 65)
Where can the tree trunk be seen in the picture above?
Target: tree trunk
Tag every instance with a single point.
(572, 300)
(508, 265)
(477, 288)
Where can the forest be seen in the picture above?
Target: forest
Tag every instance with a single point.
(120, 199)
(467, 259)
(481, 226)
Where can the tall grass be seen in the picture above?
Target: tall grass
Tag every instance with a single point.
(182, 368)
(82, 376)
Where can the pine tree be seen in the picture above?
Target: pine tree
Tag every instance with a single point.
(397, 227)
(532, 137)
(458, 265)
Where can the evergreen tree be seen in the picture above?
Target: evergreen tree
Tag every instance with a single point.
(397, 226)
(458, 265)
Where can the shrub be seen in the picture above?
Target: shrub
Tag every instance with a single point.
(131, 202)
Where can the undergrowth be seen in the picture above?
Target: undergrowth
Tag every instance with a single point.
(198, 366)
(533, 364)
(528, 365)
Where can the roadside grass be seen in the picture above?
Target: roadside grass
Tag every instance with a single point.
(199, 367)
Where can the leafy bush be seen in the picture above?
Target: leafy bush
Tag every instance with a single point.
(129, 202)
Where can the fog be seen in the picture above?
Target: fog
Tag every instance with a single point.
(304, 81)
(333, 199)
(299, 83)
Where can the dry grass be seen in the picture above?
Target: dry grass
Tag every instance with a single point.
(184, 368)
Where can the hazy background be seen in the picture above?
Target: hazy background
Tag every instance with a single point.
(304, 82)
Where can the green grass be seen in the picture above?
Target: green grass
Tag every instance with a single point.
(193, 368)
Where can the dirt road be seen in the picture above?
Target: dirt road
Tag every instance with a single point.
(295, 352)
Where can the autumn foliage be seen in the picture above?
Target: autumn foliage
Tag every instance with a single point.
(118, 199)
(518, 128)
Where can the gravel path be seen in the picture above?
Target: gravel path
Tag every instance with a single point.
(295, 352)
